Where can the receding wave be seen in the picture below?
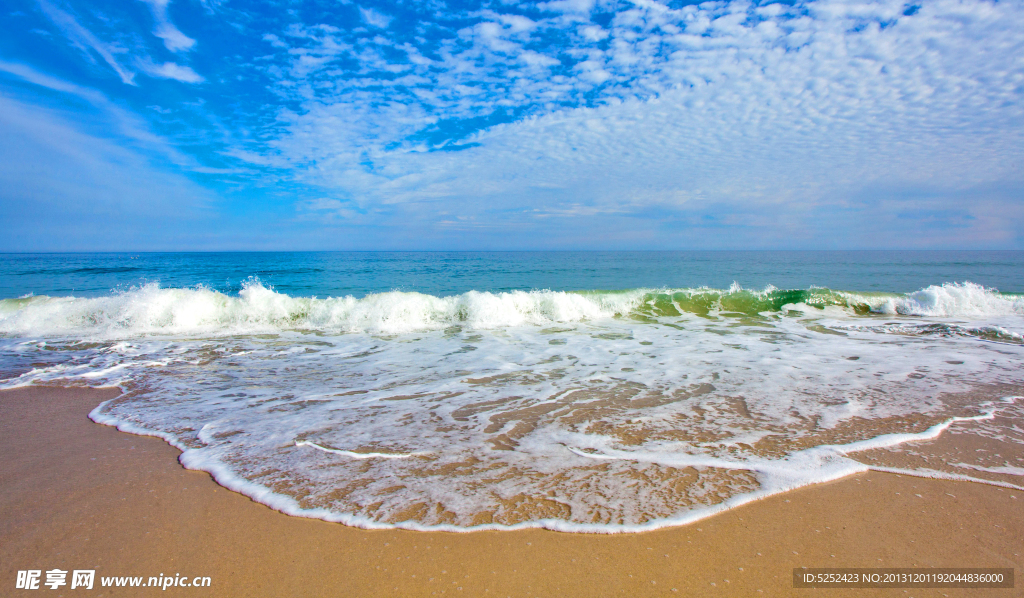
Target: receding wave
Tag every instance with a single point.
(151, 309)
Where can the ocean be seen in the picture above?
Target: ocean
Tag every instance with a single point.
(576, 391)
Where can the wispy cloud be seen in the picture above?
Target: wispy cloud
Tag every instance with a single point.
(329, 210)
(114, 119)
(85, 41)
(64, 188)
(174, 40)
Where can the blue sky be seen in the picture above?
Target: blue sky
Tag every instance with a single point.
(570, 124)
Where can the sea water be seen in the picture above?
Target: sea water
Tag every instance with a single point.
(599, 392)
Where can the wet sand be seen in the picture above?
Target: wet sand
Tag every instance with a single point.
(78, 495)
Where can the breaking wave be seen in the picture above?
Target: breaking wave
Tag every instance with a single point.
(151, 309)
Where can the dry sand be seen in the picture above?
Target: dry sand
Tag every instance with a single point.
(77, 495)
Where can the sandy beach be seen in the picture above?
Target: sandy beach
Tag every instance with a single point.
(78, 495)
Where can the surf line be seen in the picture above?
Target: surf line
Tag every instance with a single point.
(354, 455)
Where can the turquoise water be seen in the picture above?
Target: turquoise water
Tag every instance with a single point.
(585, 392)
(444, 274)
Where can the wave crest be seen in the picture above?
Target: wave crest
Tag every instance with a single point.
(954, 300)
(153, 310)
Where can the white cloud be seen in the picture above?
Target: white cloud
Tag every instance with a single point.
(784, 112)
(274, 41)
(570, 6)
(593, 33)
(171, 70)
(374, 18)
(85, 41)
(174, 40)
(536, 59)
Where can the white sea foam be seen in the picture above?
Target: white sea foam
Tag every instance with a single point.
(599, 412)
(811, 466)
(953, 300)
(1001, 469)
(942, 475)
(257, 309)
(355, 455)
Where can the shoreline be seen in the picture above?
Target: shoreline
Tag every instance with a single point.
(288, 505)
(79, 495)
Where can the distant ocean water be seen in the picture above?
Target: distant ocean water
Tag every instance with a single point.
(591, 391)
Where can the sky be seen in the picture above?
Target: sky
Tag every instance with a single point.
(462, 125)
